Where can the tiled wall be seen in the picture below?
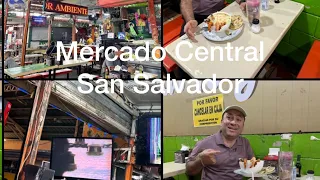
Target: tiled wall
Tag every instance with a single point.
(297, 42)
(300, 144)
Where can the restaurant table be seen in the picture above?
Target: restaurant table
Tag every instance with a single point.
(26, 70)
(274, 23)
(38, 56)
(26, 63)
(9, 50)
(72, 63)
(171, 169)
(149, 75)
(33, 55)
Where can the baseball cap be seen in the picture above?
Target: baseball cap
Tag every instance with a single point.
(238, 108)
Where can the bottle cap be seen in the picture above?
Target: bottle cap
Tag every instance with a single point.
(255, 21)
(310, 172)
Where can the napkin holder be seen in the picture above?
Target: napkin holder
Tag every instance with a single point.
(180, 156)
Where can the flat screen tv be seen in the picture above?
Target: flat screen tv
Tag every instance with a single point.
(82, 158)
(38, 21)
(148, 146)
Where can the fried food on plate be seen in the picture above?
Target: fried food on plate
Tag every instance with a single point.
(236, 22)
(253, 161)
(218, 20)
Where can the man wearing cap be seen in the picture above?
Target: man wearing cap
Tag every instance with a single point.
(217, 156)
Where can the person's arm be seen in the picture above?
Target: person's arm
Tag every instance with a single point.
(188, 15)
(194, 166)
(242, 4)
(187, 10)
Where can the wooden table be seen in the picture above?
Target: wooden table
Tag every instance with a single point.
(33, 55)
(171, 169)
(72, 63)
(26, 63)
(274, 25)
(26, 70)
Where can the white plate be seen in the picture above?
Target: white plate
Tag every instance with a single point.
(239, 171)
(213, 37)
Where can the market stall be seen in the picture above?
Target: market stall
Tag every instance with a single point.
(30, 29)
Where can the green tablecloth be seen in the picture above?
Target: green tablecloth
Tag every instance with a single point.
(26, 70)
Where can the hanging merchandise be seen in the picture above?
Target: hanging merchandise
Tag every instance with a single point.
(107, 26)
(142, 20)
(132, 31)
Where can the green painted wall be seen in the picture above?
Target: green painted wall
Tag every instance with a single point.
(300, 144)
(297, 42)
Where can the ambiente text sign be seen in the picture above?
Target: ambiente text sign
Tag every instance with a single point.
(65, 8)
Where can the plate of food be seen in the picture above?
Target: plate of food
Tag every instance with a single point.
(253, 167)
(222, 26)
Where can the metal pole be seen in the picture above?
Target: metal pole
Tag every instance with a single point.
(153, 22)
(5, 18)
(36, 123)
(50, 30)
(129, 168)
(25, 33)
(74, 29)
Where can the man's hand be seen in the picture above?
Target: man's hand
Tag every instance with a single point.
(190, 28)
(208, 157)
(243, 6)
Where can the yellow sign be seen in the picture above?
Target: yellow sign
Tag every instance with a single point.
(208, 111)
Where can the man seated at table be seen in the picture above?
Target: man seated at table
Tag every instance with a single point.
(112, 64)
(217, 156)
(9, 61)
(195, 11)
(52, 49)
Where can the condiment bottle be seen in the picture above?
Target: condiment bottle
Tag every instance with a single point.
(294, 172)
(255, 27)
(253, 10)
(277, 1)
(310, 175)
(298, 165)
